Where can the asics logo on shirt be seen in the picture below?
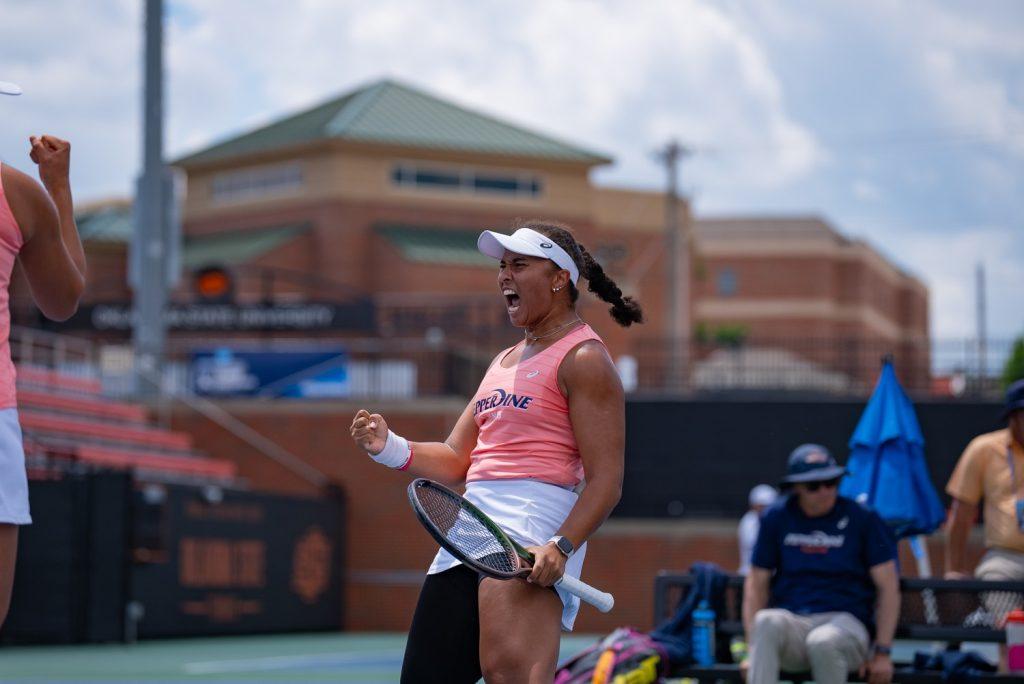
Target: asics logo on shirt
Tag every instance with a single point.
(502, 398)
(815, 542)
(532, 374)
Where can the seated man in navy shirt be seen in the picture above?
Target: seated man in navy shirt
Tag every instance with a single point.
(823, 580)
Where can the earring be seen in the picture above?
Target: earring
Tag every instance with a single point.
(556, 289)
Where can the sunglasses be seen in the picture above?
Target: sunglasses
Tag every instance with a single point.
(828, 484)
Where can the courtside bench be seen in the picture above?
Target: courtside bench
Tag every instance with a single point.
(932, 610)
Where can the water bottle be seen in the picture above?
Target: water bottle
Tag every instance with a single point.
(704, 634)
(1015, 640)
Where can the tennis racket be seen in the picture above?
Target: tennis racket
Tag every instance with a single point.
(464, 531)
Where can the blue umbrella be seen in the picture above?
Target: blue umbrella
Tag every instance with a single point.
(887, 468)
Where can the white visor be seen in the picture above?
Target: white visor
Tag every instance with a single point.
(8, 88)
(528, 242)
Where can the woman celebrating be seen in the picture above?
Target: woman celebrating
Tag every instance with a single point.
(37, 228)
(549, 412)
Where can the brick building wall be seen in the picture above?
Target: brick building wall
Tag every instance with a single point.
(342, 171)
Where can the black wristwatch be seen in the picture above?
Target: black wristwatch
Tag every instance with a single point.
(879, 649)
(563, 544)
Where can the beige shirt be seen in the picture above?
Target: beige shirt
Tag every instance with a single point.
(983, 472)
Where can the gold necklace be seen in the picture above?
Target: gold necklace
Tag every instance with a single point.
(534, 338)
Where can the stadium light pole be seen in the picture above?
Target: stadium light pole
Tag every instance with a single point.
(154, 249)
(677, 300)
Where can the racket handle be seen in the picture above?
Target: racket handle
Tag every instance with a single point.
(601, 600)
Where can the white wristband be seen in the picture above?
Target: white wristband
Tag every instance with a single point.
(396, 452)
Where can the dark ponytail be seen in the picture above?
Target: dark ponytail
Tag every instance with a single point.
(625, 310)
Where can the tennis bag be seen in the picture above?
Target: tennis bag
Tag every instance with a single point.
(626, 656)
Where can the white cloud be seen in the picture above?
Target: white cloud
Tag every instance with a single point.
(620, 78)
(614, 77)
(617, 78)
(947, 265)
(866, 191)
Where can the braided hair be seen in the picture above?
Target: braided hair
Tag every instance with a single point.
(625, 310)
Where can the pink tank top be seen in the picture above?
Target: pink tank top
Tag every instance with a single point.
(10, 244)
(523, 418)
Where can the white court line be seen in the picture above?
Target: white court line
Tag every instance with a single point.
(287, 662)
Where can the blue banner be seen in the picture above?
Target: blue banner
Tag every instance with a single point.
(292, 373)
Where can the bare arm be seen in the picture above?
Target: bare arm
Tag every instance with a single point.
(52, 253)
(445, 461)
(755, 597)
(887, 613)
(961, 519)
(887, 608)
(597, 411)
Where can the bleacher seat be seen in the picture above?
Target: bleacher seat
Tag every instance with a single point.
(82, 405)
(46, 378)
(66, 418)
(104, 431)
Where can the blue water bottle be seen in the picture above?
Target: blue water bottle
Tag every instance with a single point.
(704, 634)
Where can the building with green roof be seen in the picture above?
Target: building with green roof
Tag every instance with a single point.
(395, 114)
(378, 195)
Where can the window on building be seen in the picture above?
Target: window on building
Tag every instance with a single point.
(727, 283)
(280, 179)
(469, 180)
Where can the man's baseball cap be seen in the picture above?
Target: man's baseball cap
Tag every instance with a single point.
(8, 88)
(762, 495)
(1014, 398)
(812, 463)
(530, 243)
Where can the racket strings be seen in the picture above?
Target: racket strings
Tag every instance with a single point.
(466, 532)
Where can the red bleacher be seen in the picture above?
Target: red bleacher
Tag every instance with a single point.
(47, 379)
(66, 417)
(192, 465)
(81, 405)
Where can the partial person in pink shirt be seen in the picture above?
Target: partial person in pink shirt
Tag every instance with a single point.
(540, 447)
(37, 228)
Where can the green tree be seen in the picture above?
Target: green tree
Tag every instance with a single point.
(731, 335)
(1014, 368)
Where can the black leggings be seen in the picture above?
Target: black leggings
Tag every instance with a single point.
(444, 640)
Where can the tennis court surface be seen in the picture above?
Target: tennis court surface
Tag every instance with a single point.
(334, 657)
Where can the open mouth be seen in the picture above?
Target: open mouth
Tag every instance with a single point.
(511, 300)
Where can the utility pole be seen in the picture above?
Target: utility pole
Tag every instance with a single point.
(979, 276)
(154, 249)
(677, 286)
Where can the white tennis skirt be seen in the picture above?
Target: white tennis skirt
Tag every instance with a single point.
(531, 513)
(13, 480)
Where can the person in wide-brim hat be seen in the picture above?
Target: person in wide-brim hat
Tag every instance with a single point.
(827, 567)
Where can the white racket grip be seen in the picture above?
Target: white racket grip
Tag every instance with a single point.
(601, 600)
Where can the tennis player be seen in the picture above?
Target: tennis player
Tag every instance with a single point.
(548, 413)
(37, 227)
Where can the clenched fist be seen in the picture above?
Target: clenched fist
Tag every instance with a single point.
(53, 156)
(370, 431)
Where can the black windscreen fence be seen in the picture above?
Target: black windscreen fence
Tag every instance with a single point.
(701, 458)
(107, 559)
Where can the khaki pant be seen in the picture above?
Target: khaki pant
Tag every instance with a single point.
(1000, 565)
(830, 645)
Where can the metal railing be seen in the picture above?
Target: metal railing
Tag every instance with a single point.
(71, 355)
(439, 362)
(81, 358)
(835, 366)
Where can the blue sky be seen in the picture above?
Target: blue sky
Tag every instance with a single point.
(902, 123)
